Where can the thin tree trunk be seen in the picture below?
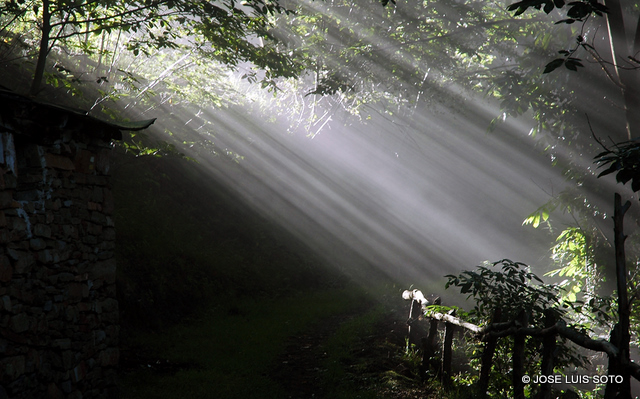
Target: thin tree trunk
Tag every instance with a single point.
(621, 47)
(623, 337)
(611, 390)
(44, 49)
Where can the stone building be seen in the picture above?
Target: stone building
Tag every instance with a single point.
(58, 307)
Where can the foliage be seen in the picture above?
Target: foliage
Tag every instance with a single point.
(624, 160)
(226, 31)
(540, 215)
(514, 290)
(511, 289)
(579, 11)
(582, 253)
(578, 259)
(572, 251)
(136, 144)
(124, 58)
(406, 58)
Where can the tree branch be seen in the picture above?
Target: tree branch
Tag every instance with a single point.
(594, 134)
(16, 16)
(113, 26)
(454, 320)
(74, 7)
(121, 14)
(460, 31)
(603, 64)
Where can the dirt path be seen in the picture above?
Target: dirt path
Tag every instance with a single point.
(300, 368)
(372, 363)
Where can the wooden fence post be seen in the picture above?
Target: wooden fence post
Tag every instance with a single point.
(415, 311)
(445, 376)
(617, 348)
(487, 359)
(518, 357)
(430, 344)
(548, 347)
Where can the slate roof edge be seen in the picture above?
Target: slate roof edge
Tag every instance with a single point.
(25, 115)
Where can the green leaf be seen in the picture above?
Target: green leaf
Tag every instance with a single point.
(536, 221)
(566, 21)
(625, 175)
(579, 10)
(571, 66)
(612, 168)
(553, 65)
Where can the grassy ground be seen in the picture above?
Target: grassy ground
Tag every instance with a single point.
(228, 351)
(341, 347)
(237, 351)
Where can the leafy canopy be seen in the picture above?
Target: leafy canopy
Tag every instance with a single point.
(229, 31)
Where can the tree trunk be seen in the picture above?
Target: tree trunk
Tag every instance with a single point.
(43, 51)
(621, 47)
(611, 390)
(621, 337)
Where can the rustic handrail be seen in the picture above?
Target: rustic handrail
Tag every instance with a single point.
(498, 330)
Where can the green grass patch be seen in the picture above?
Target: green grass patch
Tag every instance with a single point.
(230, 349)
(340, 349)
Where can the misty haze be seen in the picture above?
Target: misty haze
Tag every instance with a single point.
(319, 199)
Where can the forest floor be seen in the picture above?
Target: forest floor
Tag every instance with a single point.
(345, 352)
(373, 367)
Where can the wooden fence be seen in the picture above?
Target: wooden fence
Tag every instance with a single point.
(490, 334)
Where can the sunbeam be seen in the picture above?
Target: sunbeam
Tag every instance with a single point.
(291, 170)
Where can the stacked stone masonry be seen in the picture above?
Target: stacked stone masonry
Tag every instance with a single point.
(58, 308)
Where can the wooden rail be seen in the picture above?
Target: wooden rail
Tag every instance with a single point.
(496, 329)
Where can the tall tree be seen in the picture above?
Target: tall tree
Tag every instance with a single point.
(625, 47)
(621, 64)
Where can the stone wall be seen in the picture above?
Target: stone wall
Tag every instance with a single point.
(58, 308)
